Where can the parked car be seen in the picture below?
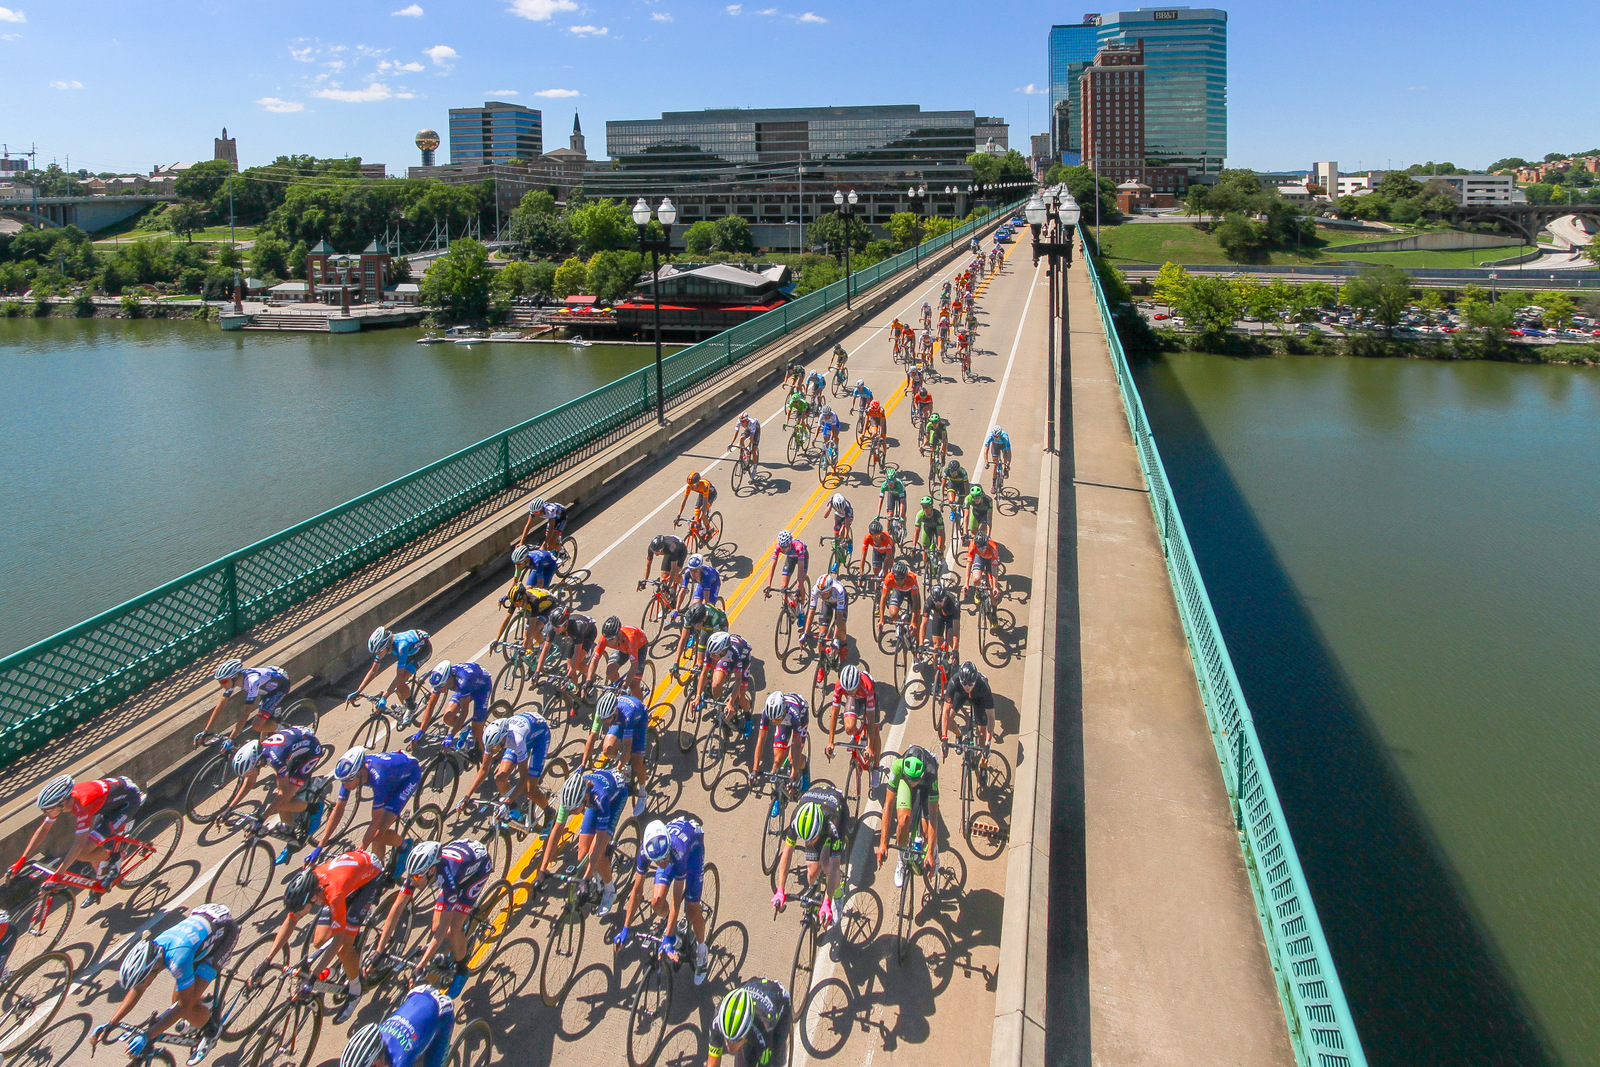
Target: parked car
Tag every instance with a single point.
(1160, 315)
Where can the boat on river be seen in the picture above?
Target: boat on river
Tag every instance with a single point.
(577, 341)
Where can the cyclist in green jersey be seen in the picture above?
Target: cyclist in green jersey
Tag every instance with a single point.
(916, 772)
(798, 407)
(700, 621)
(929, 524)
(892, 494)
(938, 429)
(980, 510)
(955, 482)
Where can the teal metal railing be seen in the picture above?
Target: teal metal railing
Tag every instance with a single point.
(1320, 1026)
(62, 681)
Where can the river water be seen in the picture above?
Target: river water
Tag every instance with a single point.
(1403, 557)
(137, 451)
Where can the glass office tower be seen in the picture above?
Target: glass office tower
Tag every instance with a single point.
(1185, 83)
(1072, 50)
(495, 131)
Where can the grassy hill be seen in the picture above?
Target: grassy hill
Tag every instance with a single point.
(1182, 242)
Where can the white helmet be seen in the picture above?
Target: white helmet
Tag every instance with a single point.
(694, 562)
(56, 791)
(575, 791)
(785, 538)
(248, 758)
(996, 431)
(656, 845)
(440, 675)
(229, 670)
(774, 703)
(719, 643)
(850, 678)
(606, 706)
(422, 859)
(378, 643)
(141, 961)
(494, 735)
(519, 555)
(350, 763)
(838, 501)
(363, 1047)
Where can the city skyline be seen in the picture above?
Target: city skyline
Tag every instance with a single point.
(375, 72)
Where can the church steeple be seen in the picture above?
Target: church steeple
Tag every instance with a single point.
(577, 135)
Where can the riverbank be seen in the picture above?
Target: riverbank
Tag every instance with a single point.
(1449, 347)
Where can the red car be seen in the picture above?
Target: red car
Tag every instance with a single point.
(1160, 315)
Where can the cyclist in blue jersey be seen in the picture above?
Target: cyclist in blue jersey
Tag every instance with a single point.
(195, 949)
(537, 566)
(459, 684)
(860, 396)
(827, 426)
(784, 717)
(816, 386)
(601, 795)
(626, 725)
(393, 778)
(523, 740)
(555, 523)
(292, 753)
(257, 691)
(795, 556)
(458, 873)
(411, 649)
(727, 656)
(997, 449)
(676, 853)
(704, 580)
(416, 1035)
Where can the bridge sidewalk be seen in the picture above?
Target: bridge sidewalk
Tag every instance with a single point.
(1178, 971)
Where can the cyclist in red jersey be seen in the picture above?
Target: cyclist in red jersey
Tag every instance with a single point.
(103, 806)
(344, 889)
(620, 646)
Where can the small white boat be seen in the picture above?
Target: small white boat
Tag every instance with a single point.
(469, 340)
(505, 335)
(577, 341)
(433, 339)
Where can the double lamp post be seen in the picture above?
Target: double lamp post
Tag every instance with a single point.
(844, 202)
(1052, 215)
(666, 214)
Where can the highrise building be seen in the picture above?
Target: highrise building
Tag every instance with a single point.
(1072, 49)
(495, 132)
(226, 147)
(1113, 117)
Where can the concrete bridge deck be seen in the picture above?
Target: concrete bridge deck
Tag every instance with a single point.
(1156, 952)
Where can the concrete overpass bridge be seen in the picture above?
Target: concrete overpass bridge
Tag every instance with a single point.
(1525, 220)
(88, 213)
(1108, 915)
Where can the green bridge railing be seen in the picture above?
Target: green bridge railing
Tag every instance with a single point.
(1320, 1026)
(48, 688)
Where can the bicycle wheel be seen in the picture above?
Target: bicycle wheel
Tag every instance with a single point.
(783, 632)
(373, 735)
(793, 449)
(489, 923)
(738, 475)
(655, 614)
(302, 712)
(712, 750)
(562, 950)
(711, 536)
(647, 1018)
(473, 1047)
(160, 833)
(903, 924)
(30, 998)
(805, 957)
(772, 828)
(569, 555)
(210, 789)
(245, 1004)
(710, 897)
(511, 680)
(442, 775)
(511, 640)
(242, 879)
(288, 1037)
(825, 466)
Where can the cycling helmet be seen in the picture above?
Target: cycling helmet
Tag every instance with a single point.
(861, 383)
(912, 768)
(606, 706)
(774, 703)
(657, 846)
(827, 409)
(785, 538)
(611, 627)
(875, 527)
(423, 858)
(967, 673)
(850, 678)
(519, 555)
(694, 616)
(247, 758)
(229, 670)
(694, 562)
(975, 493)
(996, 431)
(980, 540)
(558, 615)
(901, 568)
(953, 466)
(494, 735)
(659, 543)
(935, 417)
(838, 501)
(808, 822)
(694, 476)
(737, 1016)
(744, 416)
(363, 1047)
(719, 643)
(298, 889)
(140, 962)
(440, 677)
(350, 764)
(575, 792)
(378, 643)
(927, 501)
(535, 505)
(57, 791)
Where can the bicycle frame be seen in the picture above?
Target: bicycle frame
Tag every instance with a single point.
(138, 852)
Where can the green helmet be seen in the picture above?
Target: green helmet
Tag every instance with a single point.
(975, 492)
(927, 501)
(737, 1015)
(808, 822)
(912, 768)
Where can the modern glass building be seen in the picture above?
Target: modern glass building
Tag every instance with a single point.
(495, 131)
(1186, 81)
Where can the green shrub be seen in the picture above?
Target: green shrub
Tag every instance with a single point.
(11, 309)
(131, 306)
(83, 305)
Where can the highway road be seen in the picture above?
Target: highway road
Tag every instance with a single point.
(860, 1008)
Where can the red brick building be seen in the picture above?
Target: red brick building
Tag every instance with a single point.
(1112, 91)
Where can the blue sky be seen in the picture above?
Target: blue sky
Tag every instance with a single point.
(118, 86)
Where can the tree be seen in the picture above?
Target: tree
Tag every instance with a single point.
(701, 238)
(828, 231)
(602, 225)
(1592, 251)
(1081, 184)
(1014, 167)
(1170, 283)
(985, 167)
(1383, 291)
(203, 181)
(570, 277)
(542, 281)
(1210, 305)
(1490, 320)
(1397, 185)
(458, 282)
(513, 280)
(613, 274)
(537, 228)
(1319, 294)
(937, 226)
(733, 235)
(905, 228)
(1508, 163)
(185, 217)
(1242, 238)
(1558, 309)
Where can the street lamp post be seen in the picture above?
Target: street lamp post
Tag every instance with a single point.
(844, 202)
(1053, 217)
(916, 237)
(666, 214)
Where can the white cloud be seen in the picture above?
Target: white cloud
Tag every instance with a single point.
(10, 36)
(74, 84)
(810, 16)
(302, 55)
(8, 15)
(410, 11)
(281, 107)
(496, 94)
(442, 55)
(1031, 90)
(557, 94)
(734, 9)
(660, 16)
(374, 92)
(540, 10)
(589, 31)
(767, 11)
(410, 68)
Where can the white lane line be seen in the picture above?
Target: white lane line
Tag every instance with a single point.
(117, 949)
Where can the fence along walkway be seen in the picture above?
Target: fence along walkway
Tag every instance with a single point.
(1320, 1026)
(63, 681)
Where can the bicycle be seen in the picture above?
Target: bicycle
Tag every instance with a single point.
(791, 612)
(216, 776)
(997, 482)
(841, 377)
(917, 853)
(830, 657)
(859, 771)
(828, 465)
(938, 452)
(783, 788)
(744, 468)
(662, 605)
(374, 732)
(726, 727)
(964, 355)
(799, 441)
(976, 777)
(652, 993)
(895, 639)
(811, 930)
(30, 997)
(841, 559)
(242, 878)
(877, 454)
(704, 530)
(918, 689)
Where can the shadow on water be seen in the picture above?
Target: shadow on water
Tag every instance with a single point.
(1423, 981)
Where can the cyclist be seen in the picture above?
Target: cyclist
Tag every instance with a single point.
(855, 696)
(675, 853)
(816, 387)
(393, 778)
(827, 427)
(973, 244)
(925, 344)
(860, 396)
(929, 524)
(900, 589)
(535, 566)
(892, 495)
(980, 511)
(411, 648)
(625, 723)
(533, 603)
(459, 683)
(955, 482)
(555, 522)
(344, 890)
(879, 545)
(523, 739)
(755, 1015)
(784, 716)
(747, 430)
(795, 556)
(821, 827)
(672, 551)
(941, 620)
(797, 409)
(829, 603)
(964, 348)
(600, 794)
(706, 580)
(936, 432)
(458, 872)
(997, 450)
(705, 495)
(915, 773)
(293, 753)
(417, 1034)
(877, 421)
(195, 950)
(575, 628)
(103, 806)
(793, 376)
(843, 517)
(840, 358)
(700, 621)
(256, 690)
(620, 645)
(969, 688)
(927, 315)
(984, 554)
(727, 656)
